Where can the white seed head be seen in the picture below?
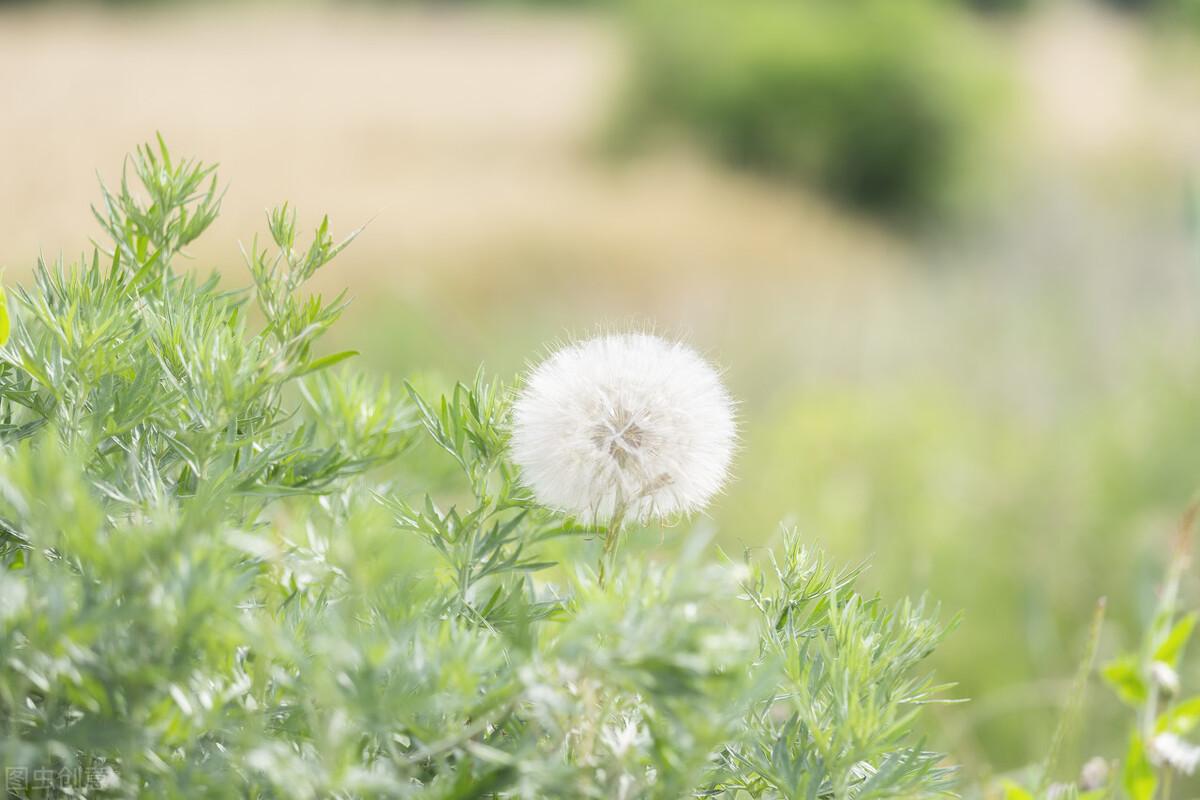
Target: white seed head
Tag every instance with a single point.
(1169, 749)
(624, 423)
(1094, 774)
(1165, 676)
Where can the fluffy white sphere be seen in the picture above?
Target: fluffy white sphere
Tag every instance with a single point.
(626, 421)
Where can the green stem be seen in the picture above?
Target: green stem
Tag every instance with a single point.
(1073, 708)
(1161, 626)
(1164, 615)
(612, 536)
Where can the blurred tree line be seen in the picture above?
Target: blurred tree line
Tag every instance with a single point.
(885, 106)
(880, 104)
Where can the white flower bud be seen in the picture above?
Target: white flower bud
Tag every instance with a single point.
(1094, 774)
(1169, 749)
(1165, 676)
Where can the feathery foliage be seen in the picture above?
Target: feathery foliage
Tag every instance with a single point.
(224, 571)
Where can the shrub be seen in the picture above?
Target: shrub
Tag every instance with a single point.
(212, 586)
(878, 103)
(999, 6)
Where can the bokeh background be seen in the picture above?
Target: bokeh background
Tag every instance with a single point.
(944, 250)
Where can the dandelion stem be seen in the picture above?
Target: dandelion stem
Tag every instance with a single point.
(612, 536)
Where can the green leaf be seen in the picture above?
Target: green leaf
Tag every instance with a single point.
(1013, 791)
(1126, 680)
(326, 361)
(4, 324)
(1171, 648)
(1181, 718)
(1138, 774)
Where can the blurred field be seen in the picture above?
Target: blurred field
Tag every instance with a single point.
(1001, 412)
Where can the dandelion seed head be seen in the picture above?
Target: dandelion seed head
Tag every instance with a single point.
(628, 422)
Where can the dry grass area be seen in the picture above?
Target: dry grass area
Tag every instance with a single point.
(467, 140)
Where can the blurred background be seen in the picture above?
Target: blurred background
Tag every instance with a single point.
(944, 249)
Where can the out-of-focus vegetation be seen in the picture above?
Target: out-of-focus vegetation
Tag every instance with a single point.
(999, 6)
(880, 103)
(1021, 516)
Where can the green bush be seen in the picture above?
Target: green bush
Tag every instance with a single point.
(878, 102)
(999, 6)
(224, 571)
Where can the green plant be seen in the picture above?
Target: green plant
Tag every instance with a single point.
(1148, 682)
(999, 6)
(878, 103)
(215, 582)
